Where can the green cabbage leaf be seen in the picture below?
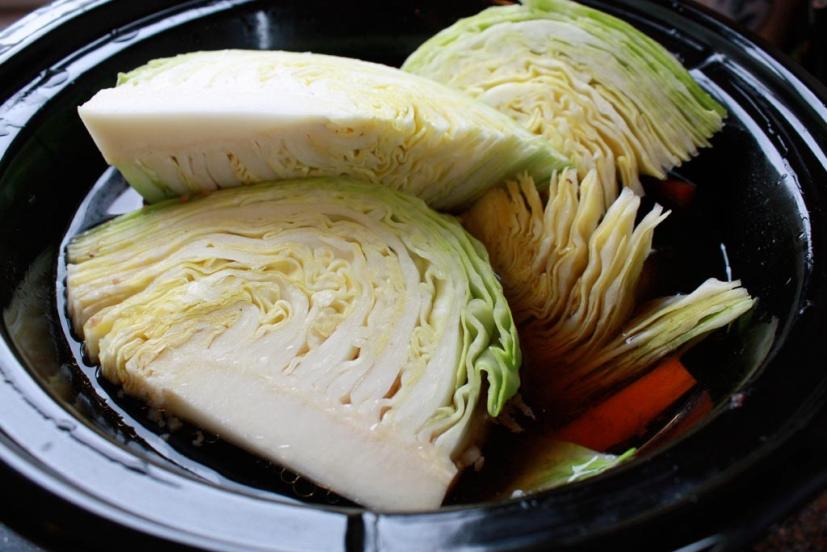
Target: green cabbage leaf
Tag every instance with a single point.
(559, 463)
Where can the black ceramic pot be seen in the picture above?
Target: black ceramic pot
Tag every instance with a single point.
(75, 453)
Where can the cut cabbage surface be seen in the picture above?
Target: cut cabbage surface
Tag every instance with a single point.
(339, 328)
(207, 120)
(570, 270)
(601, 91)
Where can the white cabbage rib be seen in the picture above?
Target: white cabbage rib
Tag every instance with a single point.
(206, 120)
(602, 92)
(339, 328)
(570, 270)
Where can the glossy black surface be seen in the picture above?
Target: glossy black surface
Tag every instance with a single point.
(761, 186)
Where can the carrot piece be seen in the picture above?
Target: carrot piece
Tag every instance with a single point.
(627, 412)
(676, 193)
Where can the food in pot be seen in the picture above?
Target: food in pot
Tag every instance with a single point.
(208, 120)
(571, 273)
(601, 91)
(342, 329)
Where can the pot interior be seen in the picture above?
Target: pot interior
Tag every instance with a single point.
(749, 220)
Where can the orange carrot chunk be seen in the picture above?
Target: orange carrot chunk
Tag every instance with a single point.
(676, 193)
(628, 412)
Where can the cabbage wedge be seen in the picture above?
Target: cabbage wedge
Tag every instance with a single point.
(339, 328)
(570, 270)
(601, 91)
(207, 120)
